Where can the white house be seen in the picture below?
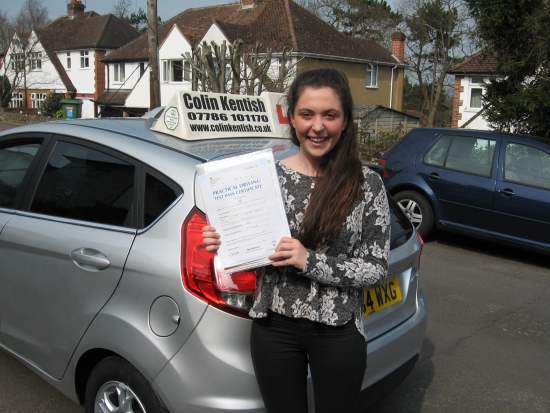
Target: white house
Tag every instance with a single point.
(375, 73)
(65, 57)
(469, 88)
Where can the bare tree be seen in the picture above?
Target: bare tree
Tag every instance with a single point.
(33, 15)
(23, 66)
(439, 35)
(122, 9)
(6, 30)
(223, 68)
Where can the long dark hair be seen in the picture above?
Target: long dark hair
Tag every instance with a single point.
(340, 176)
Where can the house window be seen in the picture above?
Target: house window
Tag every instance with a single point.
(84, 59)
(177, 70)
(475, 97)
(120, 75)
(37, 99)
(141, 69)
(165, 71)
(372, 75)
(16, 100)
(17, 62)
(68, 60)
(187, 71)
(35, 61)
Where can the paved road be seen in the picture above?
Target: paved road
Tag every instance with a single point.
(486, 348)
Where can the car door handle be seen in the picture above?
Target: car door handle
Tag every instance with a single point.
(507, 192)
(434, 175)
(90, 258)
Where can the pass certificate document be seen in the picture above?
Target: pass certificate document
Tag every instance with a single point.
(243, 202)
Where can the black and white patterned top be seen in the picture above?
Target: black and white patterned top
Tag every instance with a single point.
(330, 288)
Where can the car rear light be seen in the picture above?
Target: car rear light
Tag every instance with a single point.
(421, 246)
(227, 292)
(383, 163)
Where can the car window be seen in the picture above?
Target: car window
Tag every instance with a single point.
(527, 165)
(160, 193)
(86, 184)
(401, 227)
(437, 153)
(471, 154)
(14, 163)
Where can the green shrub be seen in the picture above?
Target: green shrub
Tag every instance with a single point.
(372, 147)
(52, 105)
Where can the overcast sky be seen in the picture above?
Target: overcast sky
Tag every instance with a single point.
(166, 8)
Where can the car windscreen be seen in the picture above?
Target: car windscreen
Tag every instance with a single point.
(401, 227)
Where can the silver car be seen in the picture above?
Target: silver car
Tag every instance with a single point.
(107, 293)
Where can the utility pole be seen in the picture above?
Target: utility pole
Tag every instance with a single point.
(152, 38)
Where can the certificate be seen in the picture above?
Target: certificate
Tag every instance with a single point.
(243, 202)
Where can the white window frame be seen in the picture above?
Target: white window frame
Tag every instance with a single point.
(475, 84)
(35, 61)
(168, 66)
(17, 62)
(37, 99)
(84, 59)
(372, 75)
(16, 100)
(68, 65)
(119, 73)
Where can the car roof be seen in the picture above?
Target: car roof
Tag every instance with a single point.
(140, 128)
(455, 131)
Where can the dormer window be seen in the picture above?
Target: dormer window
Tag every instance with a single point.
(84, 59)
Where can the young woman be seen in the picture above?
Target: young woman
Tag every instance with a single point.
(309, 304)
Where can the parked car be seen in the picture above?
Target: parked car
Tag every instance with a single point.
(491, 185)
(108, 294)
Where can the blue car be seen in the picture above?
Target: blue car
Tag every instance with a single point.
(490, 185)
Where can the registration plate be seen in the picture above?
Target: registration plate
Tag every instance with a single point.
(383, 296)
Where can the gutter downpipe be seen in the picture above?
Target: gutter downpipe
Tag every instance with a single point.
(391, 86)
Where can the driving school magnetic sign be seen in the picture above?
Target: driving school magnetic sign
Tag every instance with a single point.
(201, 115)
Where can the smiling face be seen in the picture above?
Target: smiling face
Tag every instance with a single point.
(319, 120)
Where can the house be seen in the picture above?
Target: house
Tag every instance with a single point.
(376, 74)
(470, 78)
(64, 57)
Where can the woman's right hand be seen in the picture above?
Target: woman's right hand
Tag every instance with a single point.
(211, 238)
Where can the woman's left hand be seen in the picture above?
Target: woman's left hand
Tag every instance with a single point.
(289, 252)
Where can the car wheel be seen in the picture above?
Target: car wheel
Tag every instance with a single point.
(418, 209)
(116, 386)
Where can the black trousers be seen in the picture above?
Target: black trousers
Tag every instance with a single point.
(282, 347)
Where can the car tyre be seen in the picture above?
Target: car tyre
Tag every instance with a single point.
(115, 386)
(418, 209)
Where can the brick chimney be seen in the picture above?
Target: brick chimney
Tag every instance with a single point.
(247, 4)
(398, 45)
(75, 7)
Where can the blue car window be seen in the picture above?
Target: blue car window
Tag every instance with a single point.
(85, 184)
(527, 165)
(437, 153)
(14, 163)
(472, 155)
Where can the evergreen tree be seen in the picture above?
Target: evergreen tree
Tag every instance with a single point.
(517, 31)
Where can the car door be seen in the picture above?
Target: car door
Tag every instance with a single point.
(522, 202)
(461, 173)
(64, 251)
(19, 155)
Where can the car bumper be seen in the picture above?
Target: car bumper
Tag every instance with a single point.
(213, 372)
